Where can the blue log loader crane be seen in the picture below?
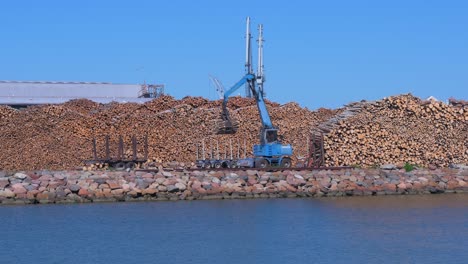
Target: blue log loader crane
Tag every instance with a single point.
(270, 152)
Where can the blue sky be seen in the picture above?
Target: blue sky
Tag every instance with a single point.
(317, 53)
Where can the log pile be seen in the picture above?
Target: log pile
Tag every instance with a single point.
(397, 130)
(393, 130)
(60, 136)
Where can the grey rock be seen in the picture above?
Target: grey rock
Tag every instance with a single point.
(160, 180)
(31, 187)
(59, 176)
(232, 176)
(142, 184)
(101, 180)
(274, 178)
(167, 174)
(215, 180)
(458, 166)
(2, 174)
(172, 188)
(265, 178)
(361, 183)
(74, 188)
(7, 193)
(422, 179)
(251, 172)
(4, 182)
(394, 181)
(20, 176)
(180, 186)
(442, 185)
(60, 194)
(297, 176)
(379, 182)
(388, 167)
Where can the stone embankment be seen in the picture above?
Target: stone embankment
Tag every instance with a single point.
(101, 186)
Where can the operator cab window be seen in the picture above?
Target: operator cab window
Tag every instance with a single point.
(271, 136)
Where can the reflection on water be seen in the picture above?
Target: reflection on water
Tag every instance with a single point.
(387, 229)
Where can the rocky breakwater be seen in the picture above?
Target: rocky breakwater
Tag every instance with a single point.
(101, 186)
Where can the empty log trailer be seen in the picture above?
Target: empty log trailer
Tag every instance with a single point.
(121, 161)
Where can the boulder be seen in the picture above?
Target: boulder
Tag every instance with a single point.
(7, 193)
(114, 184)
(142, 184)
(388, 167)
(423, 180)
(167, 174)
(18, 188)
(4, 182)
(172, 188)
(20, 175)
(180, 186)
(74, 188)
(83, 192)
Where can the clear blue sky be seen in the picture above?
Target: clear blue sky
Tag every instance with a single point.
(317, 53)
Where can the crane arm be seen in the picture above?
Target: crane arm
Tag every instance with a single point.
(245, 79)
(263, 111)
(227, 126)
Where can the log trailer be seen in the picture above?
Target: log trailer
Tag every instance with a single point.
(270, 152)
(120, 162)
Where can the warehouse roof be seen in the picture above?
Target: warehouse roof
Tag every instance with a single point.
(39, 92)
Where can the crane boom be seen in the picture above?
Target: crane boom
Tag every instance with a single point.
(270, 151)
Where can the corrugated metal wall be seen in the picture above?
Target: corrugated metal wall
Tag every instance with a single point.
(19, 93)
(68, 89)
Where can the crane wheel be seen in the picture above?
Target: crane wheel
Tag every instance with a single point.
(262, 163)
(130, 165)
(119, 166)
(286, 163)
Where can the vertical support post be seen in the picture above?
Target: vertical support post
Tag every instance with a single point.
(225, 151)
(107, 148)
(322, 150)
(134, 147)
(94, 149)
(203, 149)
(217, 150)
(146, 147)
(245, 149)
(196, 150)
(120, 154)
(230, 146)
(211, 148)
(238, 148)
(260, 77)
(248, 58)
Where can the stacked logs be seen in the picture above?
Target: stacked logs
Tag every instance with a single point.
(400, 129)
(60, 136)
(393, 130)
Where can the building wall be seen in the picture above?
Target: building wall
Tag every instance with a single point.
(68, 89)
(26, 93)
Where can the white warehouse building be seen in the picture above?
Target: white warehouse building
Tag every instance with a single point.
(24, 93)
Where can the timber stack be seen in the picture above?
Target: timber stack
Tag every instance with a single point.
(60, 136)
(398, 130)
(393, 130)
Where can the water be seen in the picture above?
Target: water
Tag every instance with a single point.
(392, 229)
